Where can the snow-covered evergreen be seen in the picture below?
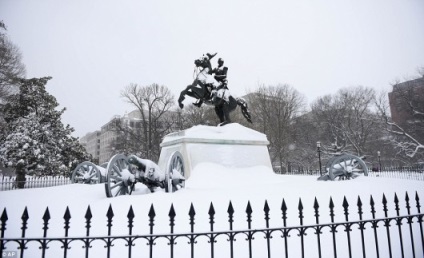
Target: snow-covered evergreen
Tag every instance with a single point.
(35, 136)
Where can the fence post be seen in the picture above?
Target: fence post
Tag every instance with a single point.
(46, 218)
(268, 232)
(109, 216)
(152, 216)
(211, 222)
(172, 215)
(67, 218)
(3, 220)
(318, 228)
(230, 212)
(130, 217)
(87, 217)
(285, 231)
(191, 214)
(249, 226)
(348, 225)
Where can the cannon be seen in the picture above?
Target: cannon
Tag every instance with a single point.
(123, 172)
(344, 166)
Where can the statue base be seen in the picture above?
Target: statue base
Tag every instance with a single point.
(232, 145)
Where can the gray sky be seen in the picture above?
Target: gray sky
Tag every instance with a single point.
(93, 49)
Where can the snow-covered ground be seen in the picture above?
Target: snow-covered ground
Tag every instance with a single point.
(212, 183)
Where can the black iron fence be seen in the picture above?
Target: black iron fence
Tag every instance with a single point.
(377, 229)
(412, 174)
(10, 183)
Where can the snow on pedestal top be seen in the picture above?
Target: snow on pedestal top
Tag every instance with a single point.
(228, 134)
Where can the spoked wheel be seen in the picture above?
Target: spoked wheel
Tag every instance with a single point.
(174, 174)
(119, 179)
(86, 173)
(347, 166)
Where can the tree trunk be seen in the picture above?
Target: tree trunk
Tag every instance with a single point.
(20, 176)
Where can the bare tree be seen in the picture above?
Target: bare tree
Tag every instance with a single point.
(11, 66)
(347, 118)
(274, 109)
(153, 102)
(407, 101)
(192, 115)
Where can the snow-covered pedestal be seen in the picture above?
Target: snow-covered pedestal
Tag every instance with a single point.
(232, 145)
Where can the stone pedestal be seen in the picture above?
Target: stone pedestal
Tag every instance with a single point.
(232, 145)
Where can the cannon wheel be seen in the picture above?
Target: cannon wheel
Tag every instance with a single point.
(175, 165)
(86, 173)
(119, 179)
(347, 166)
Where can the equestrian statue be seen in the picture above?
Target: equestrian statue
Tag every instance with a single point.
(211, 87)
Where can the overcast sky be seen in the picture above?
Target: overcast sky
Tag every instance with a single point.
(93, 49)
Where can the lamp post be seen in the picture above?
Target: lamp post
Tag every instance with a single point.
(379, 161)
(319, 156)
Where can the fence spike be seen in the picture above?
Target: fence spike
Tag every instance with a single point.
(67, 218)
(211, 216)
(4, 217)
(230, 209)
(249, 208)
(249, 215)
(385, 205)
(88, 214)
(300, 208)
(266, 210)
(284, 212)
(346, 208)
(25, 216)
(316, 210)
(88, 217)
(46, 216)
(230, 212)
(3, 220)
(211, 211)
(331, 209)
(417, 200)
(67, 215)
(316, 205)
(191, 213)
(284, 206)
(396, 200)
(109, 216)
(130, 217)
(152, 216)
(109, 213)
(359, 204)
(266, 207)
(152, 213)
(130, 214)
(408, 207)
(172, 215)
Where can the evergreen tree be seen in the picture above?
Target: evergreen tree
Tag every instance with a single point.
(36, 141)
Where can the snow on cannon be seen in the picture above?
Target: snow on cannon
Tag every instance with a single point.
(89, 173)
(343, 166)
(123, 172)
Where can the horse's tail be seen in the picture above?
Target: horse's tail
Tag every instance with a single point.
(244, 109)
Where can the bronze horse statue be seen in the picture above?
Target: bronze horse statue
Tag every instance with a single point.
(205, 89)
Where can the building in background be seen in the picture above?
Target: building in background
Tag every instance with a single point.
(407, 107)
(99, 143)
(404, 94)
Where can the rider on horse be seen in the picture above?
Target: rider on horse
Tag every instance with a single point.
(213, 90)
